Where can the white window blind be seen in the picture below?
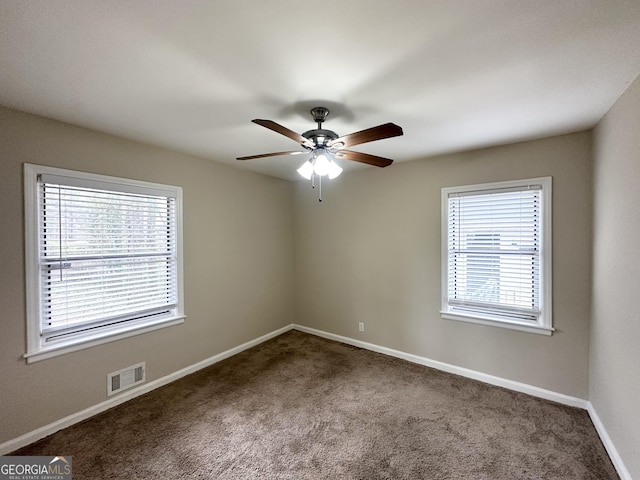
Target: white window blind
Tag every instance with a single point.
(494, 244)
(107, 255)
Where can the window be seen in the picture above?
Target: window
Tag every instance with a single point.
(496, 254)
(103, 259)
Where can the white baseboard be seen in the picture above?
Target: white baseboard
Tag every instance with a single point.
(446, 367)
(492, 380)
(42, 432)
(74, 418)
(608, 444)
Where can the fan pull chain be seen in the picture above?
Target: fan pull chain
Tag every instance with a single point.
(313, 185)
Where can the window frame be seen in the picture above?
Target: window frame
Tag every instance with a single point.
(543, 325)
(37, 349)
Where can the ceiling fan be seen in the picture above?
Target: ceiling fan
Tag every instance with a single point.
(324, 145)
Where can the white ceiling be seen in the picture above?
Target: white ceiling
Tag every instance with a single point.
(191, 74)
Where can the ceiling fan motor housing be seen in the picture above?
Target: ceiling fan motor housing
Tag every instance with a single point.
(320, 136)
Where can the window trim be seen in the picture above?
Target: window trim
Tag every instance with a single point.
(544, 325)
(36, 349)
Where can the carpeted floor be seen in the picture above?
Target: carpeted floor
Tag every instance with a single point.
(302, 407)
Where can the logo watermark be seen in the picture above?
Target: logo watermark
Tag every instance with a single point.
(35, 468)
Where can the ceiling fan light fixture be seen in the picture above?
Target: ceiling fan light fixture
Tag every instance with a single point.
(306, 170)
(321, 165)
(334, 170)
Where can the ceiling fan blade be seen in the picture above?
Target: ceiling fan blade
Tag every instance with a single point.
(363, 158)
(276, 127)
(274, 154)
(387, 130)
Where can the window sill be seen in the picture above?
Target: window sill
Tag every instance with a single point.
(522, 327)
(72, 345)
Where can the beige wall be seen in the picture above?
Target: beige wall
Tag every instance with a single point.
(238, 239)
(614, 387)
(371, 253)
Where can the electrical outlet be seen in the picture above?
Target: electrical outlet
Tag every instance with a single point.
(361, 326)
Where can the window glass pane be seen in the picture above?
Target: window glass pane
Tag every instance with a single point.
(493, 243)
(106, 257)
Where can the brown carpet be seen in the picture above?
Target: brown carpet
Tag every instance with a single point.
(302, 407)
